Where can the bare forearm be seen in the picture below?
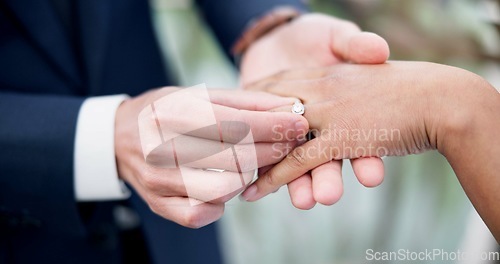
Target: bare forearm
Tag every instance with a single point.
(471, 144)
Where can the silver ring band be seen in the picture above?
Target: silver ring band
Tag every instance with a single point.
(214, 170)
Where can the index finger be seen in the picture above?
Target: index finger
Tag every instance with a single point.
(265, 126)
(249, 100)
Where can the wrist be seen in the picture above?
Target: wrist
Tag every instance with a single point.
(121, 139)
(465, 111)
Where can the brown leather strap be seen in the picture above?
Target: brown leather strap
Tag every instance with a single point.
(264, 25)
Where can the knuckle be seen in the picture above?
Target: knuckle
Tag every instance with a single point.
(151, 181)
(297, 158)
(193, 219)
(154, 180)
(270, 178)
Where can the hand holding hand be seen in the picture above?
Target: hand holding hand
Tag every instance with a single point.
(167, 138)
(312, 41)
(395, 109)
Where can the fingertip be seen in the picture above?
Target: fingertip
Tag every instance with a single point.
(327, 182)
(328, 197)
(368, 48)
(301, 193)
(373, 181)
(303, 199)
(250, 194)
(305, 205)
(259, 189)
(369, 171)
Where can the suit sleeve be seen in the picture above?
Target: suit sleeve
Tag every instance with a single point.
(229, 18)
(36, 156)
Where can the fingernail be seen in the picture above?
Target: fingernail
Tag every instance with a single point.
(300, 128)
(250, 193)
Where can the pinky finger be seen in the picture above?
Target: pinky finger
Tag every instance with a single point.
(369, 171)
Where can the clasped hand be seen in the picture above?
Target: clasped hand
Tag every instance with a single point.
(312, 40)
(166, 139)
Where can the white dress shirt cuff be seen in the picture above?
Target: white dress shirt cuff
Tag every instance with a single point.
(95, 173)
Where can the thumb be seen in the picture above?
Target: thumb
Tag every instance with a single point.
(350, 44)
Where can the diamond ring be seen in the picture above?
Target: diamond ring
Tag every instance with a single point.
(298, 108)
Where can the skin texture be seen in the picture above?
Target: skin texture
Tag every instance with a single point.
(195, 197)
(151, 172)
(311, 41)
(432, 106)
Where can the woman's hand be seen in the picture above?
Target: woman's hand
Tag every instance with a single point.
(395, 109)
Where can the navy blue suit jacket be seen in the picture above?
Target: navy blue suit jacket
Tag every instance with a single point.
(45, 75)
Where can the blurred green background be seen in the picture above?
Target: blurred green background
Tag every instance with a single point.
(420, 205)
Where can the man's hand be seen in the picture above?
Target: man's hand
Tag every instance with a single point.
(313, 41)
(166, 139)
